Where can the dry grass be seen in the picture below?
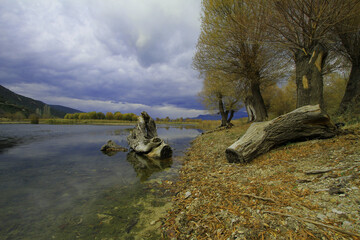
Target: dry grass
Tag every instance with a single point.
(218, 200)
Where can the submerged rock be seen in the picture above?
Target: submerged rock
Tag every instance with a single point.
(110, 148)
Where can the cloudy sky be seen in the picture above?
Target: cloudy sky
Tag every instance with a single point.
(103, 55)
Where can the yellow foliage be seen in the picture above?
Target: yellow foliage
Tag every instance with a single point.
(334, 89)
(280, 100)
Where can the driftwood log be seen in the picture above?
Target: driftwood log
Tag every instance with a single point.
(304, 123)
(144, 139)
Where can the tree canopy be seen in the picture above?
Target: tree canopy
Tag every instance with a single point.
(247, 45)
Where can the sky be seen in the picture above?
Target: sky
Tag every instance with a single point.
(103, 55)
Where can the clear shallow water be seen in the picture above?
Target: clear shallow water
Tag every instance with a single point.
(55, 183)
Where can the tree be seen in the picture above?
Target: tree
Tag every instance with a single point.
(334, 88)
(129, 117)
(83, 116)
(118, 115)
(231, 41)
(221, 95)
(100, 115)
(34, 118)
(76, 116)
(304, 28)
(93, 115)
(281, 100)
(348, 32)
(46, 112)
(109, 116)
(18, 116)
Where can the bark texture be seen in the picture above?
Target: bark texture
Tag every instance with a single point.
(226, 115)
(351, 43)
(309, 79)
(222, 112)
(255, 105)
(303, 123)
(258, 101)
(144, 139)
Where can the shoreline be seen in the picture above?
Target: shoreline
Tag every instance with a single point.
(272, 197)
(93, 122)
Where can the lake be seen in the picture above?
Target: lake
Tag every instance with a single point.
(55, 183)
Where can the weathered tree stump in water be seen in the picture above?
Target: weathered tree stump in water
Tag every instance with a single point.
(303, 123)
(144, 139)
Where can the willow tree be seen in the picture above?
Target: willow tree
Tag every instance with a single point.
(222, 95)
(304, 28)
(231, 41)
(348, 32)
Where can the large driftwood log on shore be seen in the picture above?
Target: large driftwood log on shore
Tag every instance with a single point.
(144, 139)
(303, 123)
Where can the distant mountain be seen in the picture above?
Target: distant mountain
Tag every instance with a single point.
(208, 117)
(65, 109)
(239, 114)
(11, 102)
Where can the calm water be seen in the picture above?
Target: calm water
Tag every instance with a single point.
(55, 183)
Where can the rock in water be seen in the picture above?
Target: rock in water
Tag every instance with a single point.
(144, 139)
(111, 148)
(301, 124)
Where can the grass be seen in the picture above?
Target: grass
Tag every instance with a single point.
(60, 121)
(86, 122)
(202, 124)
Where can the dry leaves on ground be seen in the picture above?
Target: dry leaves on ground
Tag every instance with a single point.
(277, 196)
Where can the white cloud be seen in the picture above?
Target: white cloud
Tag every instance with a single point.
(49, 95)
(137, 51)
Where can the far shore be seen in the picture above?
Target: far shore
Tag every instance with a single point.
(59, 121)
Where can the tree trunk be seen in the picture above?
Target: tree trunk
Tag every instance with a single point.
(309, 79)
(144, 139)
(231, 116)
(259, 105)
(250, 108)
(351, 99)
(301, 124)
(223, 113)
(255, 105)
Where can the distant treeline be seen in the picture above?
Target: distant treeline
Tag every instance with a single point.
(100, 115)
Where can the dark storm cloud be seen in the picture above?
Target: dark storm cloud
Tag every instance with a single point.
(97, 54)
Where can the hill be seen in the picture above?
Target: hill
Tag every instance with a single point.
(65, 109)
(239, 114)
(11, 103)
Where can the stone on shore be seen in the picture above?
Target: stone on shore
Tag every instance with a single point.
(111, 148)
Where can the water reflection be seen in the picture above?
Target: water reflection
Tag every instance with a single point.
(53, 177)
(145, 167)
(7, 143)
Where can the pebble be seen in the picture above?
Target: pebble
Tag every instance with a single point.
(337, 211)
(321, 216)
(187, 194)
(347, 225)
